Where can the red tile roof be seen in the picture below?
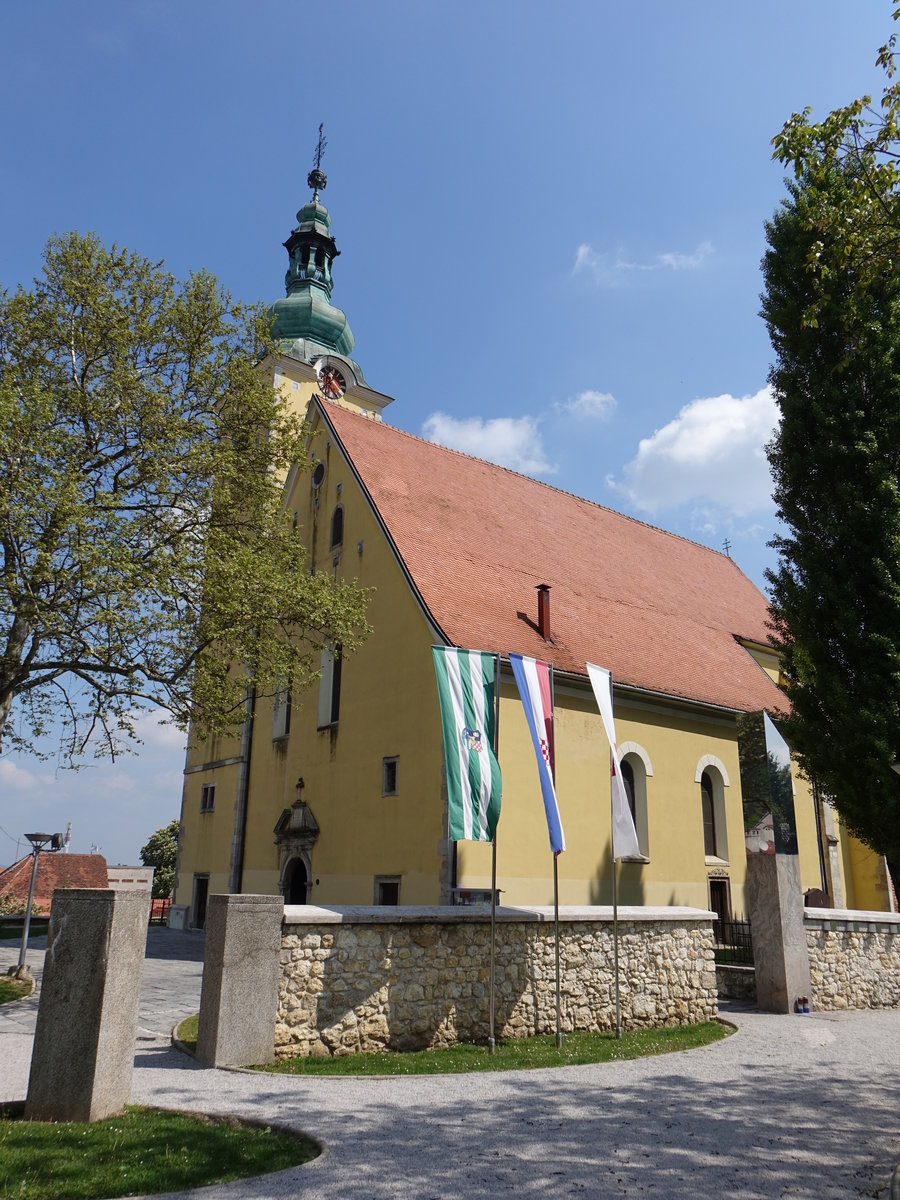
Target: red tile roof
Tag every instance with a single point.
(659, 611)
(54, 871)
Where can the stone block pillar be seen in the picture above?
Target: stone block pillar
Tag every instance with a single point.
(83, 1053)
(780, 952)
(241, 967)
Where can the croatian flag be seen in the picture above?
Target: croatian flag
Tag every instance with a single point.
(533, 681)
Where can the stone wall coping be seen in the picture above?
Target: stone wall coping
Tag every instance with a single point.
(847, 917)
(358, 914)
(102, 895)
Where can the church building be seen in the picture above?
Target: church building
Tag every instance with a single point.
(338, 796)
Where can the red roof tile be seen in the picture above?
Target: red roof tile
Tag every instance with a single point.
(659, 611)
(54, 871)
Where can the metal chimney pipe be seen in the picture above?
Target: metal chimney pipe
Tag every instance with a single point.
(543, 591)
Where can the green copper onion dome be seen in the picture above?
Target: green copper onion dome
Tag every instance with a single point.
(305, 323)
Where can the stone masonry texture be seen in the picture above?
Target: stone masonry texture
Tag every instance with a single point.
(854, 963)
(379, 983)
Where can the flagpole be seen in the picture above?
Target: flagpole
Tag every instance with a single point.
(612, 836)
(559, 1037)
(612, 842)
(492, 1043)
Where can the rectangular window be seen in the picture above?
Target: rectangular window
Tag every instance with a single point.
(389, 776)
(281, 712)
(329, 687)
(387, 889)
(207, 797)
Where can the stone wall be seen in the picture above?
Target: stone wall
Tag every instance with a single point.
(854, 958)
(374, 978)
(736, 982)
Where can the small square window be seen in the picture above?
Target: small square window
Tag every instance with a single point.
(389, 776)
(387, 889)
(207, 797)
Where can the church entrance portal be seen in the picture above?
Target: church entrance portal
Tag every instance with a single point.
(297, 890)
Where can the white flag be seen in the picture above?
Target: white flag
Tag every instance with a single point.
(625, 841)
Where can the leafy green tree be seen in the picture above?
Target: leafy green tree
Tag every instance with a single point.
(143, 547)
(834, 320)
(160, 852)
(862, 142)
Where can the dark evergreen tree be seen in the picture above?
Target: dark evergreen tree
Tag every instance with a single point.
(834, 322)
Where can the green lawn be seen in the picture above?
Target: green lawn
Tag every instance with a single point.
(511, 1055)
(13, 989)
(144, 1151)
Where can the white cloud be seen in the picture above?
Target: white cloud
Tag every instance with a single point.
(16, 779)
(686, 262)
(710, 457)
(613, 268)
(600, 405)
(509, 441)
(151, 728)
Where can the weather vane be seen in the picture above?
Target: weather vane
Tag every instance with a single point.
(317, 178)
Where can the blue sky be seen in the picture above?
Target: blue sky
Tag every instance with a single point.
(551, 223)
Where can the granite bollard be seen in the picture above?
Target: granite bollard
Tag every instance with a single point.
(83, 1053)
(780, 952)
(239, 994)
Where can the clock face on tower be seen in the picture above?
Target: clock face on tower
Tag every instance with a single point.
(331, 380)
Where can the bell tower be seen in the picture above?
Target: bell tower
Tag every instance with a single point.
(305, 324)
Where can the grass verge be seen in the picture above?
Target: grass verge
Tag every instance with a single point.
(514, 1054)
(13, 989)
(143, 1151)
(186, 1032)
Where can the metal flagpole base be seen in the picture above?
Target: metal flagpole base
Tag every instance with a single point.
(492, 1045)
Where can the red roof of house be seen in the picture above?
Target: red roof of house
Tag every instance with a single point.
(659, 611)
(57, 870)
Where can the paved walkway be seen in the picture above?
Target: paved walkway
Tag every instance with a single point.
(803, 1108)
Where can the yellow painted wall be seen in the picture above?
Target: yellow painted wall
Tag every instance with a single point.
(870, 881)
(675, 743)
(388, 707)
(205, 847)
(766, 658)
(807, 837)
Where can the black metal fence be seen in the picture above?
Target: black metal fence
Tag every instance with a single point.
(733, 941)
(159, 911)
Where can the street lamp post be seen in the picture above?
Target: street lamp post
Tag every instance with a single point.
(39, 842)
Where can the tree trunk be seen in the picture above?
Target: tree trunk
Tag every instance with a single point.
(6, 699)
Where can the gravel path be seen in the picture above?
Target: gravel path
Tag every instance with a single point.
(805, 1108)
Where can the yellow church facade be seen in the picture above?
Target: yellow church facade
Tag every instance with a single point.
(339, 796)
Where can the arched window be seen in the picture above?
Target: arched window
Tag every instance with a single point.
(634, 776)
(712, 807)
(337, 526)
(708, 805)
(628, 780)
